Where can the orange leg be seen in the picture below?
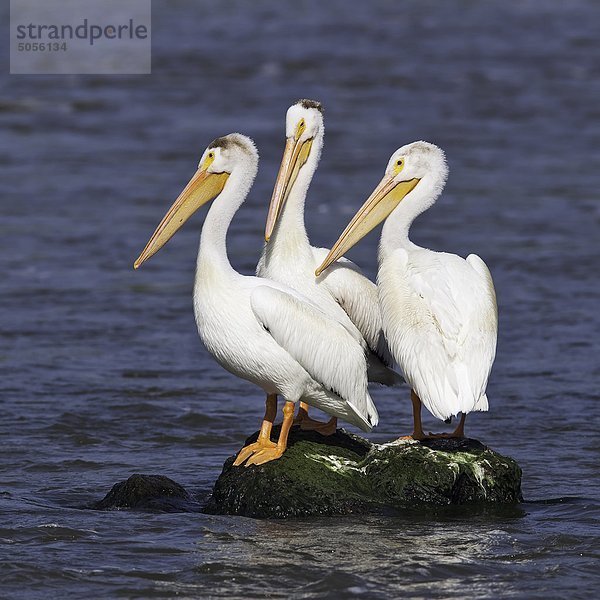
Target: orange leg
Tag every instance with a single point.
(272, 453)
(417, 433)
(459, 432)
(264, 437)
(308, 424)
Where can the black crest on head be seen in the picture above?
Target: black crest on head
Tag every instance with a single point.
(306, 103)
(220, 142)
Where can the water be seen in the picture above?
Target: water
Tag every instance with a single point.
(102, 372)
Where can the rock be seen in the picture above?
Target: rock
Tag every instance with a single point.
(345, 473)
(155, 493)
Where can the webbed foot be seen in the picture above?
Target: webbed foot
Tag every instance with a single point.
(251, 450)
(309, 424)
(265, 455)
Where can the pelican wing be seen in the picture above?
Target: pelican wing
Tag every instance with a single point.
(322, 346)
(448, 328)
(357, 295)
(489, 319)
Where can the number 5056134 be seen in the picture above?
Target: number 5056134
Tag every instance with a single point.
(41, 46)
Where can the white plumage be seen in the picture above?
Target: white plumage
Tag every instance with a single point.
(323, 347)
(439, 310)
(344, 293)
(440, 321)
(258, 329)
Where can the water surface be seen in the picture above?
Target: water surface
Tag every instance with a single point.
(102, 373)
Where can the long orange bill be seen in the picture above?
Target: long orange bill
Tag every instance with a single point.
(202, 188)
(296, 153)
(384, 199)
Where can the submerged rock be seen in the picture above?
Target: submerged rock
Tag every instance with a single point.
(345, 473)
(155, 493)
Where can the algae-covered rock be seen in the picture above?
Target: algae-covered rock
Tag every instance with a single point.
(155, 493)
(344, 473)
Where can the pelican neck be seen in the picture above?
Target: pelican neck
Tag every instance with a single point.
(290, 229)
(212, 254)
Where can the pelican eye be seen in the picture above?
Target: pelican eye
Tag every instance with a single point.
(398, 166)
(210, 157)
(300, 128)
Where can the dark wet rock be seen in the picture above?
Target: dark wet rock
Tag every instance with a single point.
(344, 474)
(155, 493)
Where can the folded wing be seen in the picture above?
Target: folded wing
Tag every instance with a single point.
(324, 348)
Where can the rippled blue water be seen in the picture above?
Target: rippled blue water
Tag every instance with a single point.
(102, 374)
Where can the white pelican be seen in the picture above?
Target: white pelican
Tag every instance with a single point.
(255, 328)
(439, 311)
(343, 292)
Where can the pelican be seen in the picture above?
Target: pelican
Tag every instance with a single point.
(344, 292)
(257, 329)
(439, 310)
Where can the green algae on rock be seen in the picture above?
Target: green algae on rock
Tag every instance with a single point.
(344, 473)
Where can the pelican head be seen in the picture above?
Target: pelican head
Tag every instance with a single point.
(218, 161)
(303, 124)
(415, 174)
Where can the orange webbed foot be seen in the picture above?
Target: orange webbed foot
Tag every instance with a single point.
(324, 428)
(251, 449)
(265, 455)
(309, 424)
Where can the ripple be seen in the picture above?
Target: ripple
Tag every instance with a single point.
(102, 371)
